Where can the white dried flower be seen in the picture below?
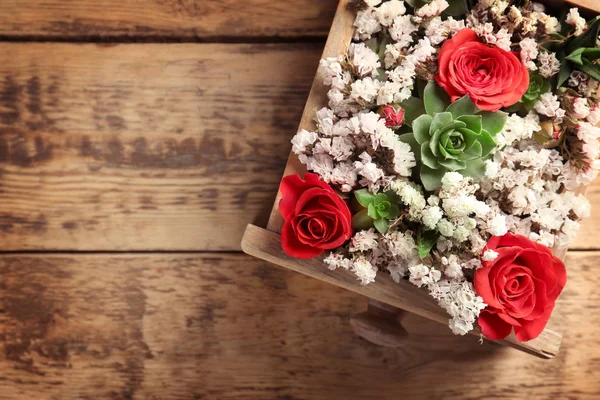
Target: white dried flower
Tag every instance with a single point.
(576, 21)
(490, 255)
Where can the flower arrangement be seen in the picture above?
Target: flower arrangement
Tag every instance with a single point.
(456, 136)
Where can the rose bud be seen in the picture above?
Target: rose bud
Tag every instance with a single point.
(393, 115)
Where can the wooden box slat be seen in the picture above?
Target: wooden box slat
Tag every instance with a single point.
(265, 243)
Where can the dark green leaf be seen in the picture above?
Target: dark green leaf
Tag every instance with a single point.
(364, 197)
(361, 221)
(584, 55)
(592, 70)
(587, 38)
(392, 212)
(421, 128)
(493, 122)
(457, 8)
(435, 98)
(392, 196)
(425, 242)
(462, 106)
(381, 225)
(432, 178)
(417, 3)
(413, 108)
(564, 73)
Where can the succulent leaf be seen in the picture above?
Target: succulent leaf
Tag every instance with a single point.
(462, 106)
(435, 98)
(364, 197)
(382, 225)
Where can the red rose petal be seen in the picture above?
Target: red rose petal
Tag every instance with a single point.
(293, 246)
(492, 326)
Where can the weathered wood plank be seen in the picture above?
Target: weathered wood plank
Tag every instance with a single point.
(264, 244)
(151, 147)
(144, 146)
(177, 19)
(220, 326)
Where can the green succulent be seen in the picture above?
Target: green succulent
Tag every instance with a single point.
(377, 210)
(537, 86)
(452, 137)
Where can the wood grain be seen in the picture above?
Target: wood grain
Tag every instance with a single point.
(151, 147)
(265, 244)
(223, 326)
(144, 147)
(165, 19)
(338, 41)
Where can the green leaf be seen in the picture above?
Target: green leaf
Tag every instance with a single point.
(432, 178)
(413, 108)
(421, 128)
(392, 196)
(435, 98)
(392, 212)
(372, 211)
(587, 38)
(475, 169)
(493, 122)
(584, 55)
(462, 106)
(425, 242)
(381, 225)
(487, 143)
(592, 70)
(361, 221)
(364, 197)
(457, 8)
(427, 156)
(564, 73)
(417, 3)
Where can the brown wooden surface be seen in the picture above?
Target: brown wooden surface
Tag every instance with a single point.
(144, 147)
(148, 146)
(225, 326)
(165, 19)
(265, 245)
(153, 146)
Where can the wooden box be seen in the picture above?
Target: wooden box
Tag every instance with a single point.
(386, 297)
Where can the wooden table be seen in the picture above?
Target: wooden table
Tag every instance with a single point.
(137, 140)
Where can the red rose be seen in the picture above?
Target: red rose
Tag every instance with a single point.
(520, 287)
(492, 77)
(393, 116)
(316, 218)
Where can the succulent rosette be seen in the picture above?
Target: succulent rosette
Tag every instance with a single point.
(454, 137)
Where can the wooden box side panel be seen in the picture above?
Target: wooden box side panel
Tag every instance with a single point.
(338, 41)
(264, 244)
